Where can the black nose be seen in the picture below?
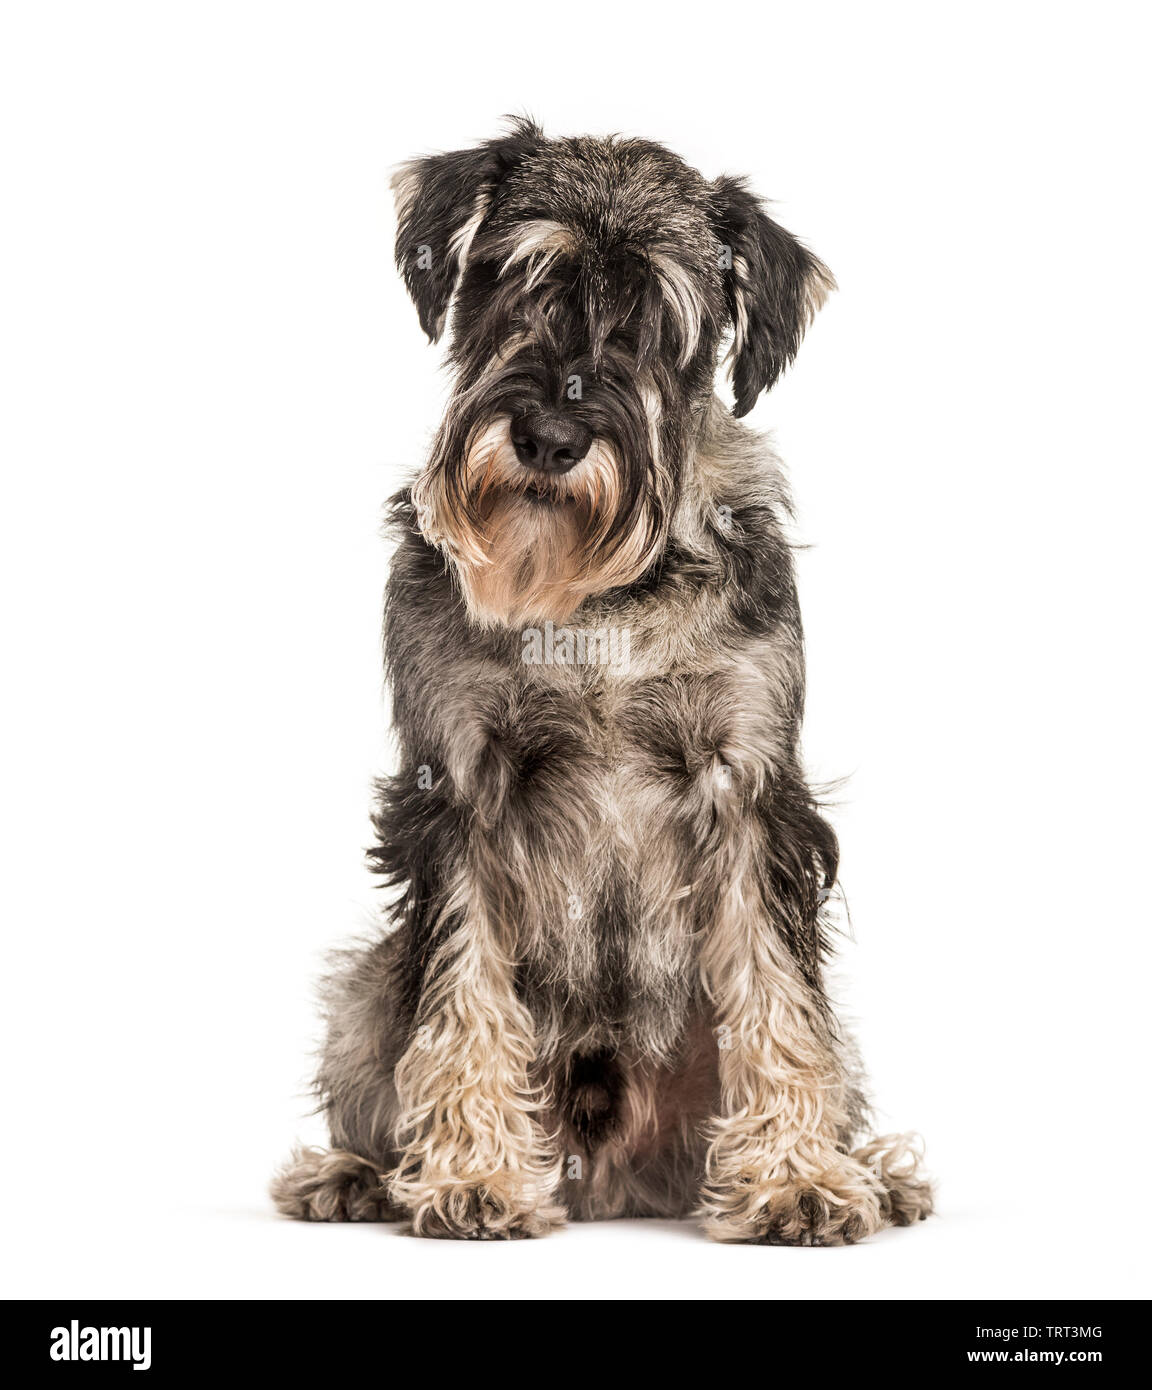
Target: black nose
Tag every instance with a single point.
(553, 443)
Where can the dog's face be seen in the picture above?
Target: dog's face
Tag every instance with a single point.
(593, 282)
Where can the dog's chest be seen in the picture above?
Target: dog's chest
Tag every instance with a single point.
(619, 811)
(651, 755)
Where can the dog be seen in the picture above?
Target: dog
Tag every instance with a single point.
(600, 993)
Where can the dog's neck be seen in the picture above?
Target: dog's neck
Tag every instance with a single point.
(733, 502)
(725, 561)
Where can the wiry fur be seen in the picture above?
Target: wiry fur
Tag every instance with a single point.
(601, 993)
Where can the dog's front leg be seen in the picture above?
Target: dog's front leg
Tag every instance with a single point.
(779, 1168)
(475, 1163)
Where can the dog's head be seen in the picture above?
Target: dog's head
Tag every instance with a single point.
(591, 283)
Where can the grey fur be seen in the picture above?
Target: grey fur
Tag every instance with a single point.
(601, 990)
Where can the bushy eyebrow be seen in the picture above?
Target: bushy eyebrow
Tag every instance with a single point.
(537, 246)
(539, 242)
(683, 300)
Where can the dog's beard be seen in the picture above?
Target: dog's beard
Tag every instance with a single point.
(528, 547)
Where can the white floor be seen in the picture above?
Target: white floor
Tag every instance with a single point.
(143, 1167)
(251, 1253)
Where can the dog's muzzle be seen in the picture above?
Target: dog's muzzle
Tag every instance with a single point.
(549, 441)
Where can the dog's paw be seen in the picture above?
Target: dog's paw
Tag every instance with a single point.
(332, 1185)
(896, 1160)
(810, 1216)
(482, 1211)
(840, 1208)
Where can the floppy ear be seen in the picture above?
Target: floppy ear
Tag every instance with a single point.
(440, 203)
(773, 284)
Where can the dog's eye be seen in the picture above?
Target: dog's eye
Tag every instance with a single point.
(625, 336)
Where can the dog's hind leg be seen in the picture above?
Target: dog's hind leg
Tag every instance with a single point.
(349, 1181)
(895, 1159)
(332, 1185)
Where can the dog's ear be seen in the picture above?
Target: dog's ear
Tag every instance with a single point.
(440, 203)
(773, 285)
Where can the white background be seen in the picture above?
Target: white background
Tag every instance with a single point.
(211, 380)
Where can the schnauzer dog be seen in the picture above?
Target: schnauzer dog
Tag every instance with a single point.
(600, 994)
